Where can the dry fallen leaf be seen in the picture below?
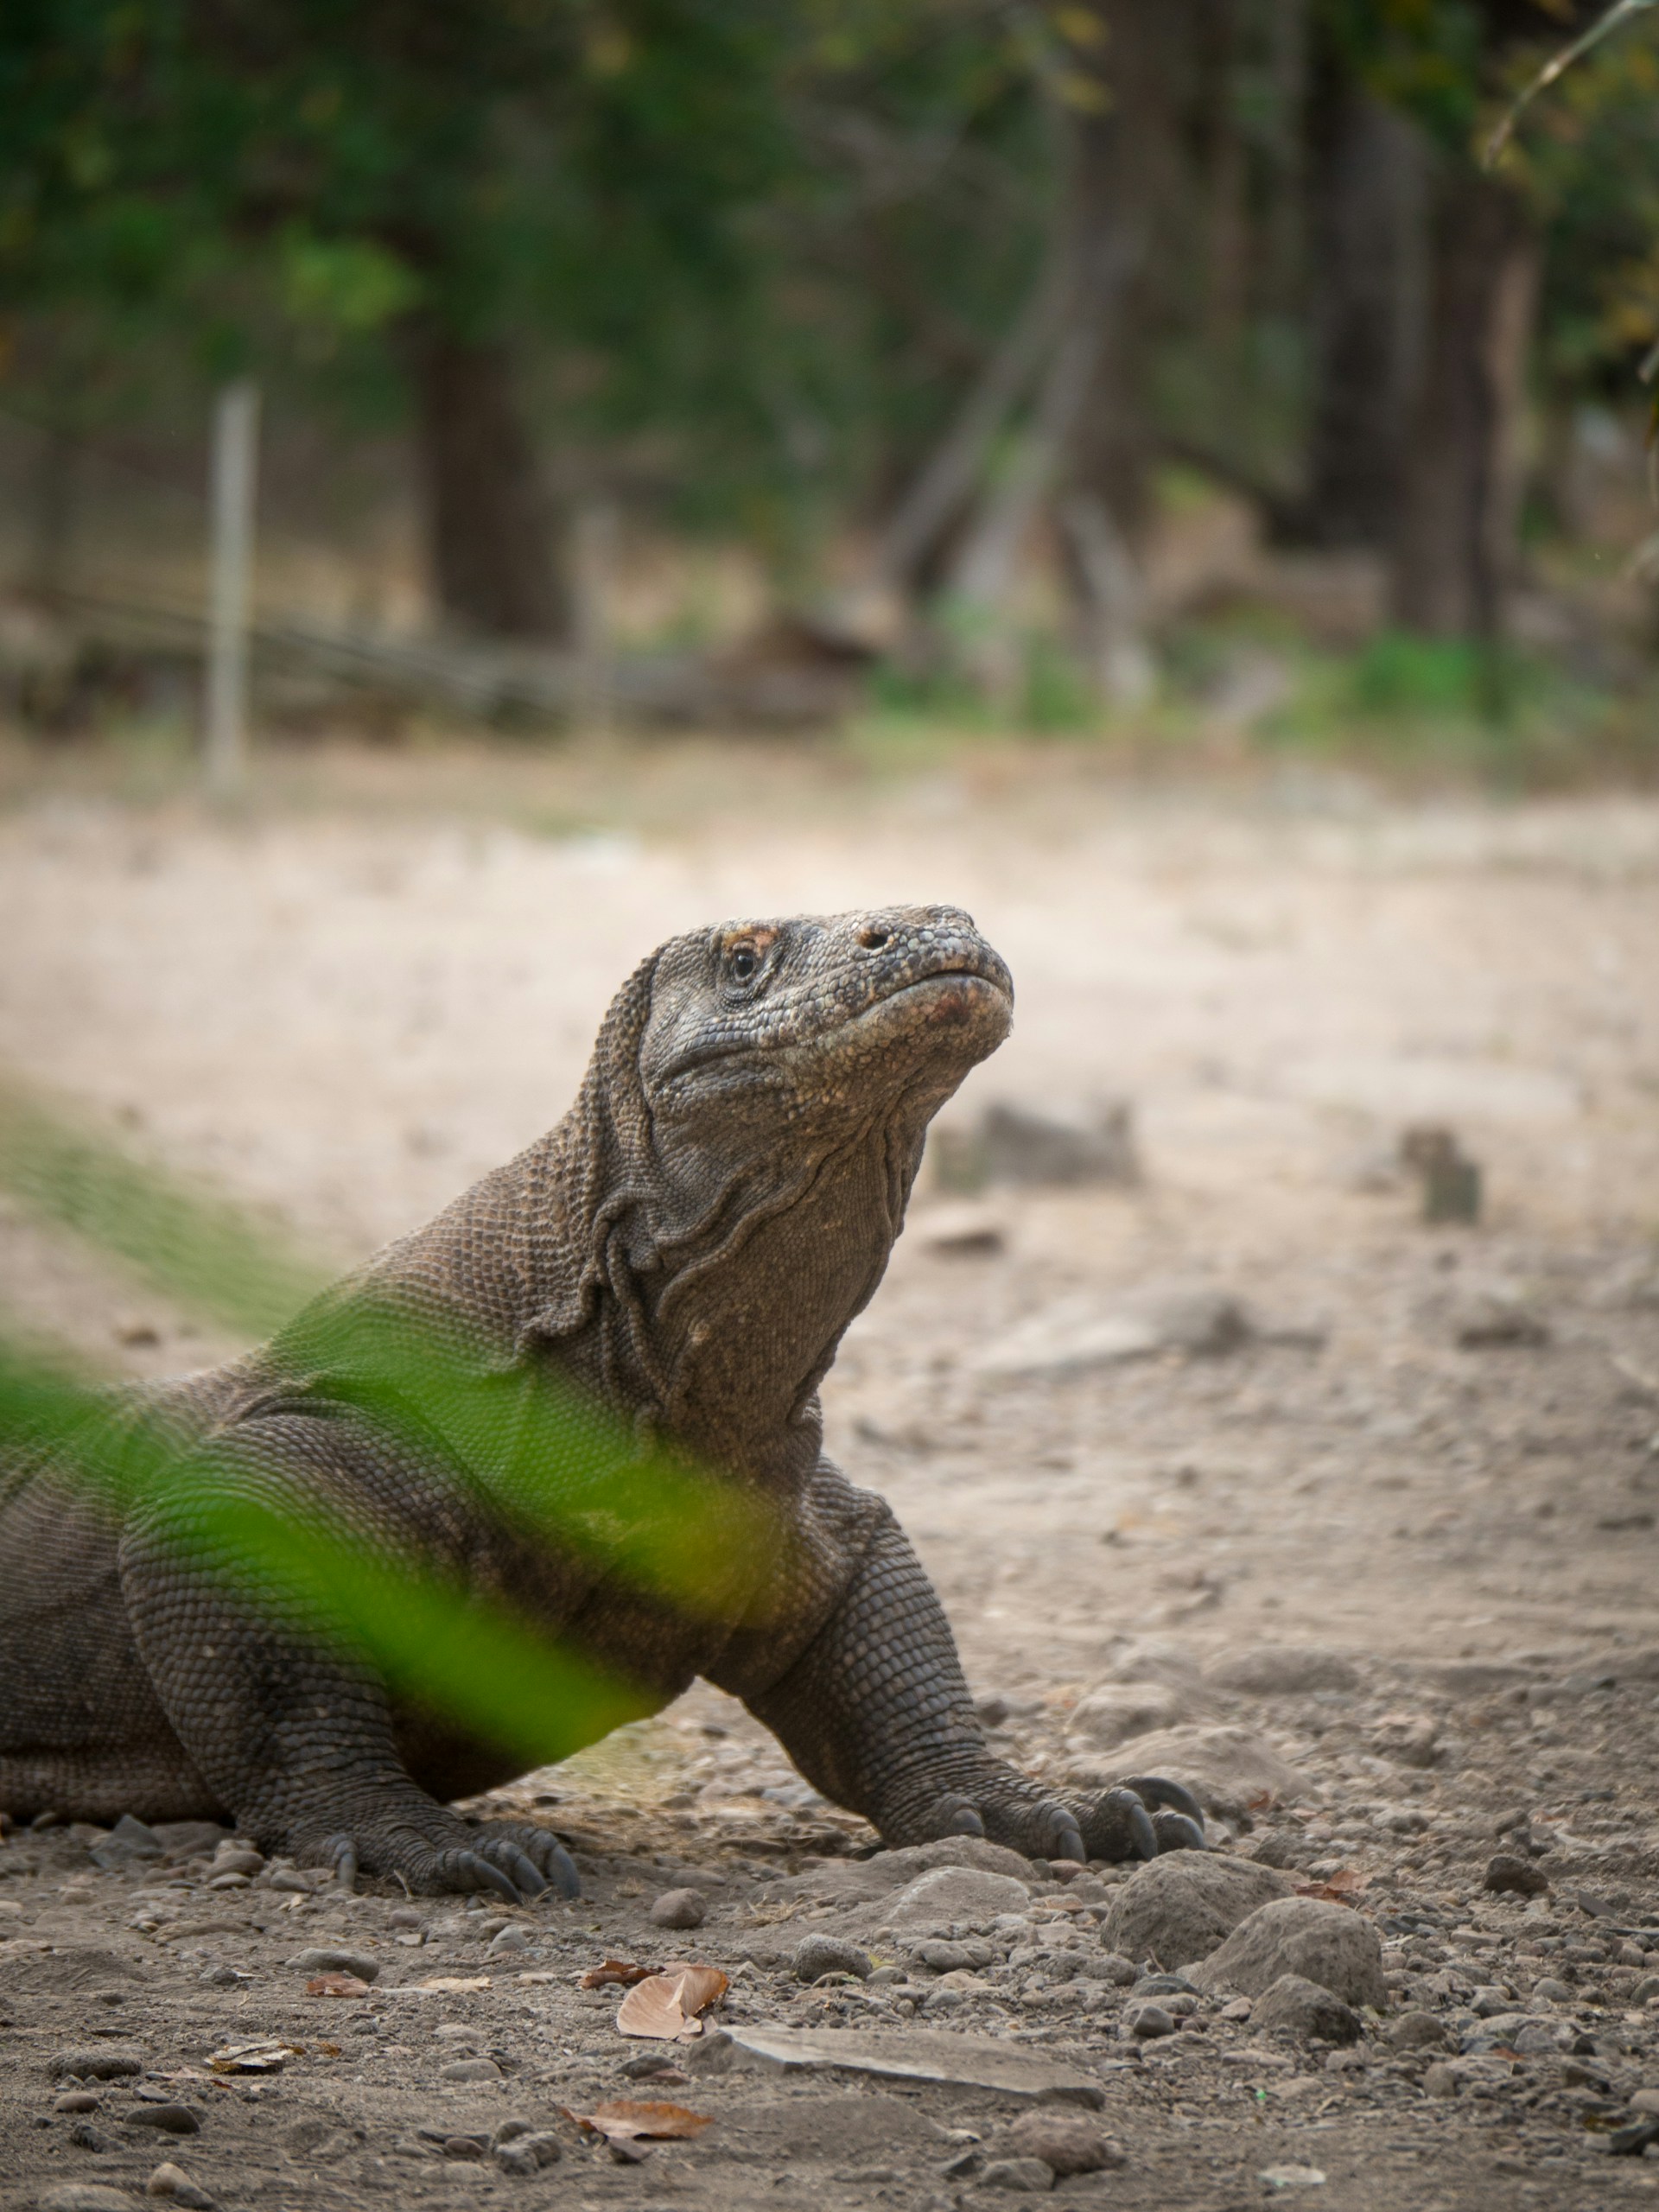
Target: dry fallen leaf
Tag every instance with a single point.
(623, 2119)
(666, 2005)
(253, 2057)
(609, 1970)
(336, 1985)
(1343, 1887)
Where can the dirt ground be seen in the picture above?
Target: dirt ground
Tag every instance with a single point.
(1433, 1456)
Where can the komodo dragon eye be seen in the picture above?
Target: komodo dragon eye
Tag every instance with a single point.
(745, 961)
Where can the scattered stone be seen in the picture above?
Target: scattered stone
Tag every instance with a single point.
(1294, 2005)
(1282, 1670)
(170, 2181)
(1018, 1146)
(960, 1230)
(950, 1958)
(326, 1959)
(507, 1941)
(1291, 2177)
(1113, 1967)
(1066, 2142)
(922, 2055)
(679, 1909)
(1111, 1714)
(820, 1954)
(84, 2197)
(1506, 1875)
(1440, 2081)
(1028, 2176)
(463, 2146)
(1072, 1338)
(1144, 1659)
(86, 2137)
(470, 2069)
(1408, 1739)
(104, 2063)
(948, 1894)
(171, 2119)
(523, 2155)
(1228, 1769)
(1146, 2022)
(1330, 1944)
(1178, 1908)
(76, 2101)
(1498, 1316)
(128, 1844)
(1417, 2032)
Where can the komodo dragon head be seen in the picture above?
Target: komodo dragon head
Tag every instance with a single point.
(737, 1166)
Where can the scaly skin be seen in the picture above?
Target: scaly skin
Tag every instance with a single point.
(687, 1247)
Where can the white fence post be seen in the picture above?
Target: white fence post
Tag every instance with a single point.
(236, 435)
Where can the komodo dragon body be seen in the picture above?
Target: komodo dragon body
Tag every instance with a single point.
(686, 1249)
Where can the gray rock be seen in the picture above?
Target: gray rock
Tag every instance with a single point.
(1647, 1989)
(1074, 1338)
(1027, 2177)
(170, 2118)
(507, 1941)
(952, 1896)
(84, 2196)
(1418, 2031)
(1179, 1907)
(172, 2182)
(1147, 2021)
(1227, 1768)
(103, 2063)
(1330, 1944)
(679, 1909)
(77, 2101)
(1282, 1670)
(1440, 2081)
(128, 1844)
(1019, 1146)
(324, 1959)
(1113, 1967)
(1117, 1711)
(1294, 2005)
(1507, 1875)
(917, 2055)
(821, 1955)
(1497, 1316)
(946, 1958)
(1064, 2141)
(523, 2155)
(86, 2137)
(470, 2069)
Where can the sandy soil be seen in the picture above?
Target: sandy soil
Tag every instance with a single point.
(348, 1001)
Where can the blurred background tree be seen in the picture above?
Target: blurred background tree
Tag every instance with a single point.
(885, 296)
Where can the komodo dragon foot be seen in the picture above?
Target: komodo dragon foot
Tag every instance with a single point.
(1138, 1819)
(431, 1851)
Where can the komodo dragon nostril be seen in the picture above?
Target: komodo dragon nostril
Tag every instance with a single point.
(873, 939)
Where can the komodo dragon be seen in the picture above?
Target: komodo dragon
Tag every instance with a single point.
(689, 1244)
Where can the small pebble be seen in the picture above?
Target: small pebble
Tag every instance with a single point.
(1507, 1875)
(464, 2146)
(470, 2069)
(1440, 2081)
(75, 2101)
(1027, 2177)
(821, 1955)
(169, 2180)
(1146, 2022)
(508, 1941)
(172, 2120)
(679, 1909)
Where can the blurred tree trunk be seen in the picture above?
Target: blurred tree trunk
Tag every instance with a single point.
(1455, 545)
(53, 508)
(1125, 187)
(1368, 209)
(489, 524)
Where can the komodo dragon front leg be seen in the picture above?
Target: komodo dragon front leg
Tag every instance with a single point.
(294, 1734)
(876, 1715)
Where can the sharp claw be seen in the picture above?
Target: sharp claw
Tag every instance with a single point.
(966, 1821)
(1175, 1832)
(1155, 1789)
(343, 1852)
(561, 1872)
(525, 1871)
(1141, 1832)
(1068, 1837)
(482, 1876)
